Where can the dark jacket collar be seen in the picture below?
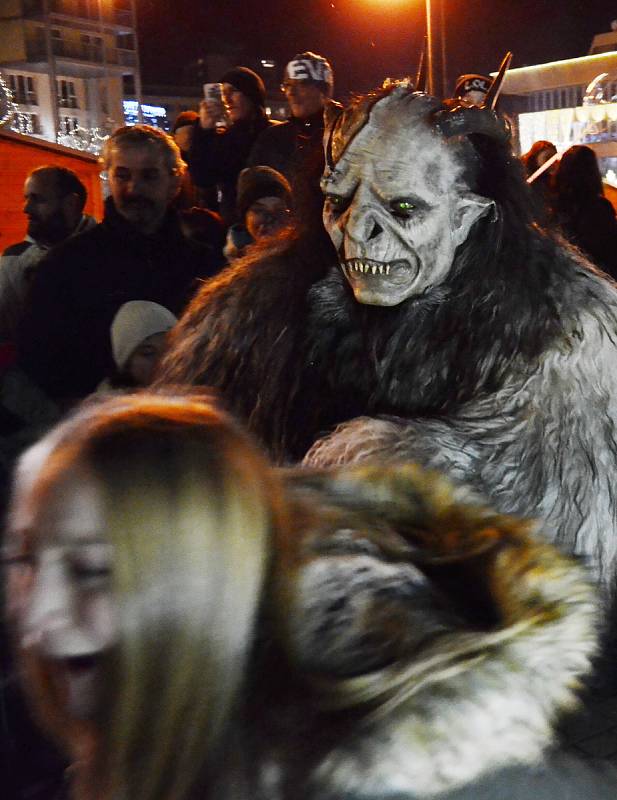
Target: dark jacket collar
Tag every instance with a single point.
(114, 221)
(311, 123)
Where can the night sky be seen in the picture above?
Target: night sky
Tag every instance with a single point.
(365, 41)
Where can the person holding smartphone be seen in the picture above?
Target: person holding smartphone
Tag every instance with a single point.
(224, 135)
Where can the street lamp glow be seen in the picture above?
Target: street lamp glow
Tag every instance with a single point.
(430, 84)
(391, 3)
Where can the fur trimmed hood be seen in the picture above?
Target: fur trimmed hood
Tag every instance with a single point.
(434, 639)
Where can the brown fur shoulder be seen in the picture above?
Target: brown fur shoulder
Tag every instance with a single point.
(240, 333)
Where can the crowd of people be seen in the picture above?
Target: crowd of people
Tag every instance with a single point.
(569, 197)
(188, 621)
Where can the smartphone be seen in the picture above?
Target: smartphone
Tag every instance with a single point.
(213, 93)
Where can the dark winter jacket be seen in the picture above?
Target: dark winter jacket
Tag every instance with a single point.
(295, 149)
(216, 159)
(64, 341)
(592, 226)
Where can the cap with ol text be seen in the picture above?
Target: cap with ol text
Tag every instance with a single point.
(471, 83)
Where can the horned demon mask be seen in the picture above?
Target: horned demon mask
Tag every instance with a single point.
(398, 201)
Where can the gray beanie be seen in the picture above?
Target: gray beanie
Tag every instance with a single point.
(134, 322)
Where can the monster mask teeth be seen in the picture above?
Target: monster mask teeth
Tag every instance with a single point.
(366, 268)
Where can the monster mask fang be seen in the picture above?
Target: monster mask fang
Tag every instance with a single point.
(397, 201)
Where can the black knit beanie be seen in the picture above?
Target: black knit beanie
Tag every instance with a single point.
(257, 182)
(248, 82)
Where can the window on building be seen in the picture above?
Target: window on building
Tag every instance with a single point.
(66, 94)
(104, 99)
(125, 41)
(69, 124)
(26, 123)
(23, 89)
(57, 45)
(31, 92)
(128, 85)
(93, 46)
(14, 86)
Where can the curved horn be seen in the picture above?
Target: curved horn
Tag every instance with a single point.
(495, 87)
(461, 120)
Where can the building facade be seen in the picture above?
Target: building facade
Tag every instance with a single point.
(69, 63)
(569, 102)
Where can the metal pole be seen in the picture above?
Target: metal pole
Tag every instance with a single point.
(430, 86)
(51, 61)
(137, 74)
(105, 70)
(444, 67)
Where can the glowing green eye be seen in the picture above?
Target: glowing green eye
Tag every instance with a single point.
(336, 201)
(403, 207)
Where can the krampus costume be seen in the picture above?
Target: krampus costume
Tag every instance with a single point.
(453, 332)
(419, 641)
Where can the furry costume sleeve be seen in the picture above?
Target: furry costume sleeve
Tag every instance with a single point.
(431, 640)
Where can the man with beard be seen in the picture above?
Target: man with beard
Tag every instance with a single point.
(54, 203)
(138, 252)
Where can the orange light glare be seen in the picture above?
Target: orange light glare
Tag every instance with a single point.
(390, 3)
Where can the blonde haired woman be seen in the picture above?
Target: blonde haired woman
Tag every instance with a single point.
(138, 543)
(193, 624)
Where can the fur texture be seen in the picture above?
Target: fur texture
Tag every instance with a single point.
(430, 639)
(502, 375)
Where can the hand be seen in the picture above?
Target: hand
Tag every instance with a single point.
(209, 113)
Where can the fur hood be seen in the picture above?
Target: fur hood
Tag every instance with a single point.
(431, 639)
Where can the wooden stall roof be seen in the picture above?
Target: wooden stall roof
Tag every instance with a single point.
(19, 155)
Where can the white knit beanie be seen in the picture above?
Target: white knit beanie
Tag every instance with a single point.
(134, 322)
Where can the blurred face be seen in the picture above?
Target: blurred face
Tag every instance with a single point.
(48, 221)
(145, 357)
(239, 106)
(142, 185)
(266, 216)
(304, 97)
(59, 583)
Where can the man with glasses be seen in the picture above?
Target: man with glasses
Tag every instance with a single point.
(138, 252)
(295, 148)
